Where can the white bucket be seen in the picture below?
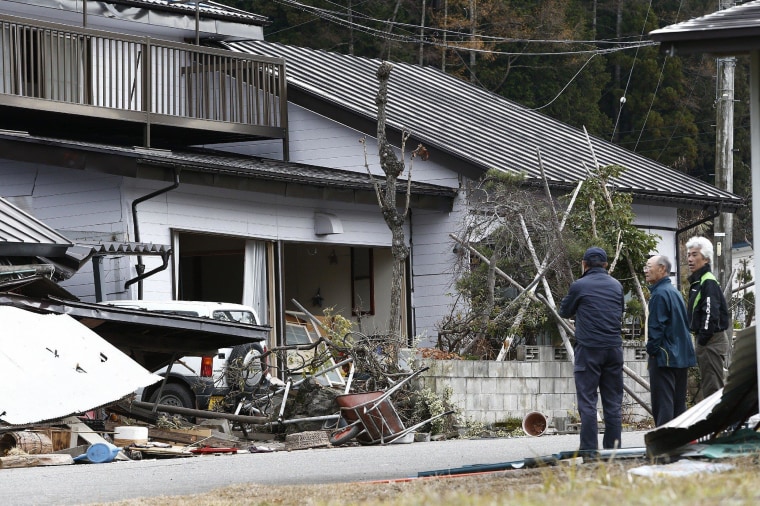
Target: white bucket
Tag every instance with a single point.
(535, 423)
(125, 436)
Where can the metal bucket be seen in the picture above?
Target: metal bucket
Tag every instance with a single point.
(535, 423)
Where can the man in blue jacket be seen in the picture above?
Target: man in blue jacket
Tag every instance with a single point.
(669, 345)
(708, 316)
(596, 302)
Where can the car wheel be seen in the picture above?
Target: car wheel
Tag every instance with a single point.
(244, 367)
(175, 395)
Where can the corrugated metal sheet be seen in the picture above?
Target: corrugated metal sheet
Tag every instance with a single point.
(732, 405)
(52, 366)
(477, 126)
(21, 234)
(151, 338)
(737, 21)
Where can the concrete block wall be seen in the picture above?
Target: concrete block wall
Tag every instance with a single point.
(490, 391)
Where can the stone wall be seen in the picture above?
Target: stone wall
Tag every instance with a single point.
(540, 380)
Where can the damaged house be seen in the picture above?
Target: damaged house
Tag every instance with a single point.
(238, 161)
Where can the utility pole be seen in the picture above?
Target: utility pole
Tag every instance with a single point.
(724, 159)
(473, 32)
(422, 35)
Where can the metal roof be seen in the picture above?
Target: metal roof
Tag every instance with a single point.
(205, 7)
(21, 234)
(217, 168)
(475, 126)
(735, 30)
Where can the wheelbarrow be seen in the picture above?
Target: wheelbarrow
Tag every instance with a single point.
(371, 418)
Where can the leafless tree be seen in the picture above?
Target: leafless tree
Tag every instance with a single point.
(387, 197)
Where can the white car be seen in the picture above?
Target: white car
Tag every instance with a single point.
(202, 382)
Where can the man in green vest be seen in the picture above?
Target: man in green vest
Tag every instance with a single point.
(708, 316)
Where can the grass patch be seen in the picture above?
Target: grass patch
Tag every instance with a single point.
(592, 483)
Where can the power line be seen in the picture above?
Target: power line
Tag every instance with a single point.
(431, 40)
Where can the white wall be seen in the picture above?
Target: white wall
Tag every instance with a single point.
(660, 220)
(317, 140)
(82, 206)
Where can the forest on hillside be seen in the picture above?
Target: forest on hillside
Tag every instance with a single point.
(571, 59)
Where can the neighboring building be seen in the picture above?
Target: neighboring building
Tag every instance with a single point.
(257, 184)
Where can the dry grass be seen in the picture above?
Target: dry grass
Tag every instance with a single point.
(595, 483)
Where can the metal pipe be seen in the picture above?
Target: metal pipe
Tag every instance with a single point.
(140, 268)
(201, 413)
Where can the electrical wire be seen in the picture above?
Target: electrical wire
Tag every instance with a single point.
(339, 19)
(630, 74)
(651, 103)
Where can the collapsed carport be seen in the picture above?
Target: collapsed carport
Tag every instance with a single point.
(152, 340)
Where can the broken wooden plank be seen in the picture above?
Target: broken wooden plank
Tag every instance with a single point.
(180, 435)
(44, 459)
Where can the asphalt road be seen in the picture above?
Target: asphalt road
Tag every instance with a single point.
(89, 483)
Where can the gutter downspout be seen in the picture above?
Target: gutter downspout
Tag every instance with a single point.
(689, 227)
(140, 267)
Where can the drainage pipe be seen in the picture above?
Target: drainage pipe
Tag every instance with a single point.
(140, 267)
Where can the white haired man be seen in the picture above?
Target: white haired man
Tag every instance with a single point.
(708, 316)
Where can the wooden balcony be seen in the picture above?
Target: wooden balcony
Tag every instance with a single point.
(97, 86)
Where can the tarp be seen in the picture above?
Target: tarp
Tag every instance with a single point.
(52, 366)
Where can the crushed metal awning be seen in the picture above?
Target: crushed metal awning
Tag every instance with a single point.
(82, 252)
(52, 366)
(726, 409)
(153, 340)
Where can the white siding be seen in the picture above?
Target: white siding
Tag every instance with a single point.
(317, 140)
(433, 264)
(83, 206)
(659, 220)
(246, 214)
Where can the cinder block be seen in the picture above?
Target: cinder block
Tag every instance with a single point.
(496, 403)
(497, 369)
(547, 385)
(510, 402)
(507, 385)
(466, 368)
(458, 385)
(480, 368)
(446, 368)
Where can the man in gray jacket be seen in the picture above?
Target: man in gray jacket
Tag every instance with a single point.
(669, 345)
(596, 302)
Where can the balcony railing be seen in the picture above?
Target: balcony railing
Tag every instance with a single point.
(158, 84)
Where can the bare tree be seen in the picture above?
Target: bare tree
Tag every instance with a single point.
(387, 195)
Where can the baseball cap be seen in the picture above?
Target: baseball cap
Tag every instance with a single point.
(595, 253)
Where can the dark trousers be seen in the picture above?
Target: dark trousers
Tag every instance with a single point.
(668, 393)
(599, 371)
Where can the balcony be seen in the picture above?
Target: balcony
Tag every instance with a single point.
(96, 86)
